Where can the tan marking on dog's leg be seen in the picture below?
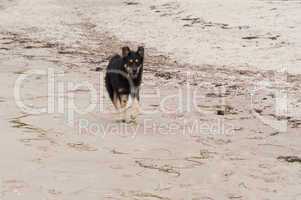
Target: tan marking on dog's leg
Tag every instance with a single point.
(116, 101)
(124, 100)
(123, 104)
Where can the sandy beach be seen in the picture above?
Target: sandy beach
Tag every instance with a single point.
(220, 110)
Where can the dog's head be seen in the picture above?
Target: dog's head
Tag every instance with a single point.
(133, 61)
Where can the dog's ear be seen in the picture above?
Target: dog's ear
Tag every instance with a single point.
(125, 51)
(140, 51)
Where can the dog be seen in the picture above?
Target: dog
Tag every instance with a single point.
(124, 77)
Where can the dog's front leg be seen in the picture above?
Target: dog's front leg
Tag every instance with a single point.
(135, 104)
(118, 105)
(124, 106)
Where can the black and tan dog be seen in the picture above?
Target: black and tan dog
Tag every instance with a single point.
(124, 76)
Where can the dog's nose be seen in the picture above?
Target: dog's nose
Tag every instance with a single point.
(134, 71)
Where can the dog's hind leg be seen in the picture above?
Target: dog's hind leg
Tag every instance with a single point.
(120, 102)
(116, 101)
(123, 100)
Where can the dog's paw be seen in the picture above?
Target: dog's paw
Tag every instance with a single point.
(132, 121)
(133, 114)
(135, 110)
(121, 121)
(127, 121)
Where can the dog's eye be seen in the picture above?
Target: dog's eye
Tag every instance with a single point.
(131, 61)
(136, 60)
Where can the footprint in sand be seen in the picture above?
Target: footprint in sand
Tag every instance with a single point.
(81, 147)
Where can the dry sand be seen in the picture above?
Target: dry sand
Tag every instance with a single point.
(231, 143)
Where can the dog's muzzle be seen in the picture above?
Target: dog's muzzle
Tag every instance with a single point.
(135, 72)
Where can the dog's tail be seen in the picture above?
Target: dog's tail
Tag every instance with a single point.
(109, 87)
